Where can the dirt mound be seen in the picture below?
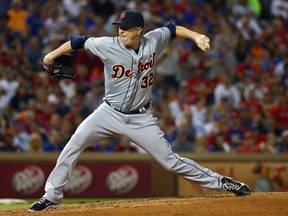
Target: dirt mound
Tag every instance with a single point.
(264, 204)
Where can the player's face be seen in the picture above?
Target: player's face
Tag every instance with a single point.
(130, 36)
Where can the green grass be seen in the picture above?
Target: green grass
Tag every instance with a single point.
(66, 201)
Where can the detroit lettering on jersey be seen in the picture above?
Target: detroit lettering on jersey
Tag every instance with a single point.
(120, 71)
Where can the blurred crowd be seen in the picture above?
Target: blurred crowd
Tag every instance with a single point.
(234, 98)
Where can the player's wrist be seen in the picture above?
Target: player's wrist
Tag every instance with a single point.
(47, 59)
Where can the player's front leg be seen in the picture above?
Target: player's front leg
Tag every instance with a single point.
(151, 138)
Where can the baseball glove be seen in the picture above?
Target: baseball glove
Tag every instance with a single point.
(62, 67)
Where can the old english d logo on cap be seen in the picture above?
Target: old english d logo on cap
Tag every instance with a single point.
(123, 15)
(130, 18)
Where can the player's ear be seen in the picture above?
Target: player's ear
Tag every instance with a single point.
(140, 30)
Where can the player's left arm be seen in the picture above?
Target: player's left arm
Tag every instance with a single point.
(202, 41)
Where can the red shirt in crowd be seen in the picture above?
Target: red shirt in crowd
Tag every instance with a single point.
(254, 106)
(252, 142)
(280, 114)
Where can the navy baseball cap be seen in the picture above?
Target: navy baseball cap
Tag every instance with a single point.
(130, 18)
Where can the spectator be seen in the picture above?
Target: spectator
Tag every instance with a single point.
(178, 107)
(284, 75)
(181, 142)
(124, 146)
(168, 95)
(199, 86)
(251, 92)
(263, 182)
(248, 26)
(44, 108)
(279, 8)
(219, 144)
(226, 42)
(213, 123)
(21, 99)
(254, 141)
(34, 52)
(223, 108)
(188, 61)
(17, 18)
(55, 122)
(4, 51)
(225, 89)
(6, 145)
(74, 7)
(69, 89)
(186, 124)
(8, 81)
(279, 111)
(57, 24)
(247, 68)
(199, 115)
(35, 21)
(53, 94)
(282, 143)
(251, 99)
(235, 133)
(167, 64)
(238, 9)
(272, 127)
(35, 143)
(200, 144)
(53, 142)
(166, 125)
(104, 145)
(21, 136)
(190, 12)
(158, 88)
(5, 98)
(68, 127)
(78, 105)
(155, 7)
(62, 107)
(222, 128)
(271, 141)
(95, 96)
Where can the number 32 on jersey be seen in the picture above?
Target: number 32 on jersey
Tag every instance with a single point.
(147, 81)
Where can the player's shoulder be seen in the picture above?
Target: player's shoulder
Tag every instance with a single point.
(155, 32)
(108, 39)
(103, 42)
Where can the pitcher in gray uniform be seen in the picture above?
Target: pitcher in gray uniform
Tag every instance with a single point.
(129, 66)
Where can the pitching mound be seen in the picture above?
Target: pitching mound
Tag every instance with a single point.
(264, 204)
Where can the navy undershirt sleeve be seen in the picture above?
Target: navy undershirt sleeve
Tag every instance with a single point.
(172, 28)
(77, 41)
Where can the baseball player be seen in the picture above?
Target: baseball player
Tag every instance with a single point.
(129, 66)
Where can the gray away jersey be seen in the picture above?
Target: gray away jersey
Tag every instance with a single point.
(129, 76)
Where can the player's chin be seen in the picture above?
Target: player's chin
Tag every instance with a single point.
(126, 42)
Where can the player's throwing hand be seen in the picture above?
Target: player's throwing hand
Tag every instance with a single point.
(202, 41)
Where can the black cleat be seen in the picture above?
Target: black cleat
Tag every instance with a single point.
(236, 187)
(42, 204)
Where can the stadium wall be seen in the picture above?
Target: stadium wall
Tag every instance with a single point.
(136, 175)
